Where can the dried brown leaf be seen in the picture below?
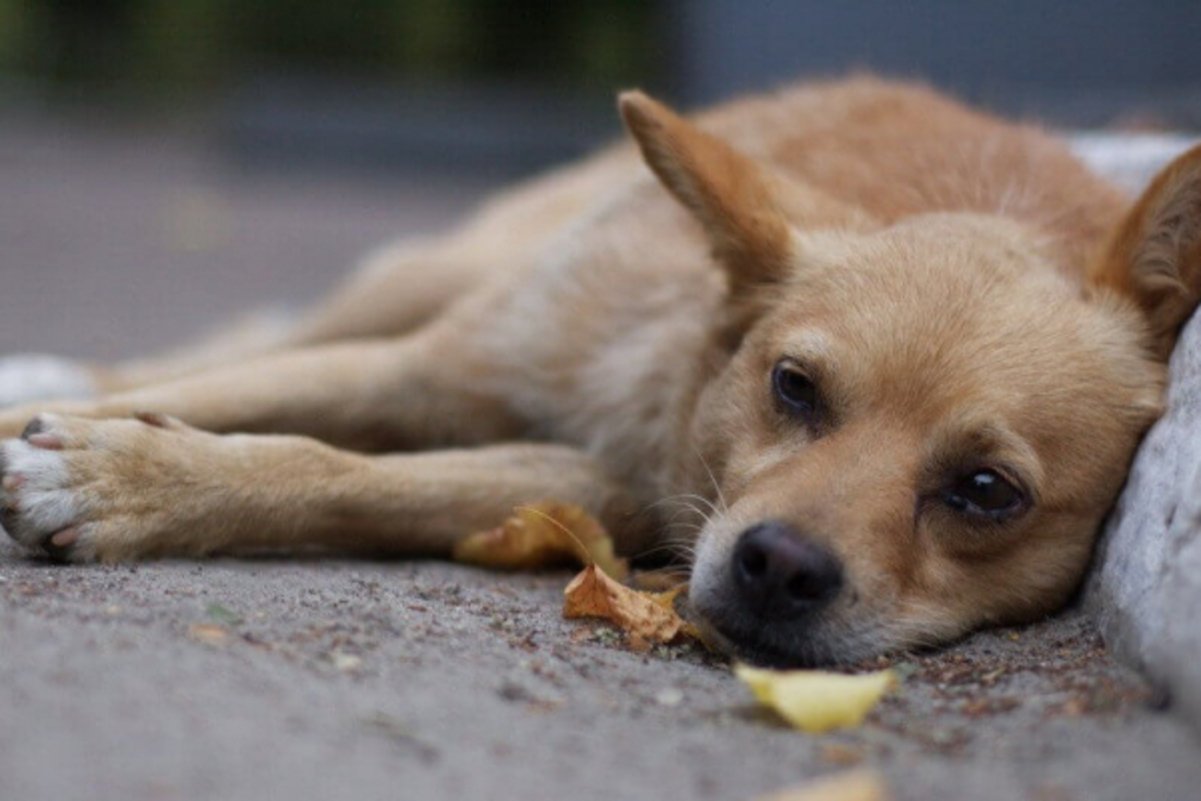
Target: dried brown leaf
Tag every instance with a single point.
(668, 600)
(541, 535)
(645, 618)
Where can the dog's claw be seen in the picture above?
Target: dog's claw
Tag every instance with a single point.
(58, 545)
(36, 426)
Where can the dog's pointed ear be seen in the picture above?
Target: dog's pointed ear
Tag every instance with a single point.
(724, 189)
(1154, 255)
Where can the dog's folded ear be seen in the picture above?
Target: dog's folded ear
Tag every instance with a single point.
(1154, 255)
(728, 192)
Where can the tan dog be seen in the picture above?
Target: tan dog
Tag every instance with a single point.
(895, 353)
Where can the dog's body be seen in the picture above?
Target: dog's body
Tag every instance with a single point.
(904, 359)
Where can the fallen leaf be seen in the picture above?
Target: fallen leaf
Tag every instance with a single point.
(668, 600)
(857, 785)
(546, 534)
(209, 633)
(641, 616)
(814, 700)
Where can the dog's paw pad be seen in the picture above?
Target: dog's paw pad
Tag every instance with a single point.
(33, 377)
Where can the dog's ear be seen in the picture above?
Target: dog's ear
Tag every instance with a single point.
(724, 189)
(1154, 255)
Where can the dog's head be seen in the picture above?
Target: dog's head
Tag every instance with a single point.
(917, 428)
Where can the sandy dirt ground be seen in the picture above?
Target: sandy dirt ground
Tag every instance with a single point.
(335, 679)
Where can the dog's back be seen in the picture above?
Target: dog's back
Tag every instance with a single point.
(889, 149)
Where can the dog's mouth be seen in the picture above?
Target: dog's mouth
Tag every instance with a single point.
(757, 645)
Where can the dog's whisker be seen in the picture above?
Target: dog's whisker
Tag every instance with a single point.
(689, 531)
(681, 499)
(713, 508)
(683, 551)
(691, 510)
(725, 507)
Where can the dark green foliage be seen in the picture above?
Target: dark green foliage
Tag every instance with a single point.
(200, 43)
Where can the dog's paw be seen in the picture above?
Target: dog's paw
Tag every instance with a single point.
(85, 490)
(33, 377)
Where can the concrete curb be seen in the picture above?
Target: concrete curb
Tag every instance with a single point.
(1145, 590)
(1146, 587)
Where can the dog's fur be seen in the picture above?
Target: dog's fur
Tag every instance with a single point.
(957, 294)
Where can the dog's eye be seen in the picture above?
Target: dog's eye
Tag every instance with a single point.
(794, 390)
(984, 492)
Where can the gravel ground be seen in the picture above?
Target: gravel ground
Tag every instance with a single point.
(317, 679)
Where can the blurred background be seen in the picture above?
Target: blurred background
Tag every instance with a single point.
(165, 163)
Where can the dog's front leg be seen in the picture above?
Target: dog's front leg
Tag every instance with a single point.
(123, 489)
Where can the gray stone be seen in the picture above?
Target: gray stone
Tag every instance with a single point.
(1146, 586)
(1129, 160)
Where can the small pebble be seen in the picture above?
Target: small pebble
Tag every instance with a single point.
(346, 662)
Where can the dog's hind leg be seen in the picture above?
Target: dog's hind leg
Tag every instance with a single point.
(394, 291)
(411, 393)
(399, 292)
(152, 487)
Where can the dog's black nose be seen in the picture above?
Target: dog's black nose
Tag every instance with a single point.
(781, 574)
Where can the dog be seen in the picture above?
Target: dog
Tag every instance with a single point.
(893, 353)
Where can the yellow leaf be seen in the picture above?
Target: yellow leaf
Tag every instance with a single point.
(643, 618)
(817, 701)
(547, 534)
(858, 785)
(209, 633)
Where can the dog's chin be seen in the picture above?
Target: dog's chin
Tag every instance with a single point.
(759, 645)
